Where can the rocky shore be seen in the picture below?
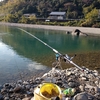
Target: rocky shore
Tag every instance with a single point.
(89, 30)
(86, 84)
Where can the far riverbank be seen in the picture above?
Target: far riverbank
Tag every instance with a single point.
(89, 30)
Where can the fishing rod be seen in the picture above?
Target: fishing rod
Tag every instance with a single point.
(65, 57)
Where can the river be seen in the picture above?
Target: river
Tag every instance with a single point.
(22, 56)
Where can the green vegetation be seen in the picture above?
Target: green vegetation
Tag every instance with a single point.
(86, 10)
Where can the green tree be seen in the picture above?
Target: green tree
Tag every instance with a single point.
(92, 14)
(23, 20)
(32, 19)
(90, 18)
(10, 18)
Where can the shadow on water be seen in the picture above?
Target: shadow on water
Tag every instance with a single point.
(87, 49)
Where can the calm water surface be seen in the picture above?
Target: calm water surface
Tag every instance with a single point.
(22, 56)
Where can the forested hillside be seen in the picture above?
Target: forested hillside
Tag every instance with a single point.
(87, 10)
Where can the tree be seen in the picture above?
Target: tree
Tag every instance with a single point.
(23, 20)
(90, 18)
(92, 14)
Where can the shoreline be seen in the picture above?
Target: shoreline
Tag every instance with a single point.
(88, 30)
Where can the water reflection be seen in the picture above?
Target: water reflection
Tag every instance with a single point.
(20, 52)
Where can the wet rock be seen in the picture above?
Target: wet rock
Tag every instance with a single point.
(17, 89)
(6, 98)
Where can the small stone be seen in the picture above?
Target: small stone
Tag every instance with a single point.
(32, 98)
(84, 78)
(19, 99)
(29, 93)
(28, 87)
(6, 98)
(82, 88)
(59, 83)
(25, 83)
(27, 98)
(3, 90)
(11, 90)
(72, 84)
(6, 85)
(68, 98)
(19, 81)
(31, 89)
(17, 89)
(69, 73)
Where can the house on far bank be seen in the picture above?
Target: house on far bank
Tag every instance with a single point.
(57, 15)
(30, 15)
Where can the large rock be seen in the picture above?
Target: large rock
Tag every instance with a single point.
(83, 96)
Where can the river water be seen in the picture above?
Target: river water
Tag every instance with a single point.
(22, 56)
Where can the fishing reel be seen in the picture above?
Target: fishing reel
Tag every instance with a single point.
(60, 58)
(67, 59)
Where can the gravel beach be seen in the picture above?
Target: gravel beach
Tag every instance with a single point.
(93, 31)
(86, 85)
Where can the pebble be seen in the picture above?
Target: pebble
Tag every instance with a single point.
(87, 86)
(17, 89)
(26, 98)
(6, 98)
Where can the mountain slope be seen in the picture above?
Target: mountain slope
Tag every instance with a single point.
(74, 8)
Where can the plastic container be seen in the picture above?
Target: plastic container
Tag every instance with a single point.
(46, 91)
(50, 90)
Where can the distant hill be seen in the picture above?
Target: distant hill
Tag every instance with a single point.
(85, 9)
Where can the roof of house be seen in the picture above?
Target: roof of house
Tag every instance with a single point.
(57, 13)
(28, 14)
